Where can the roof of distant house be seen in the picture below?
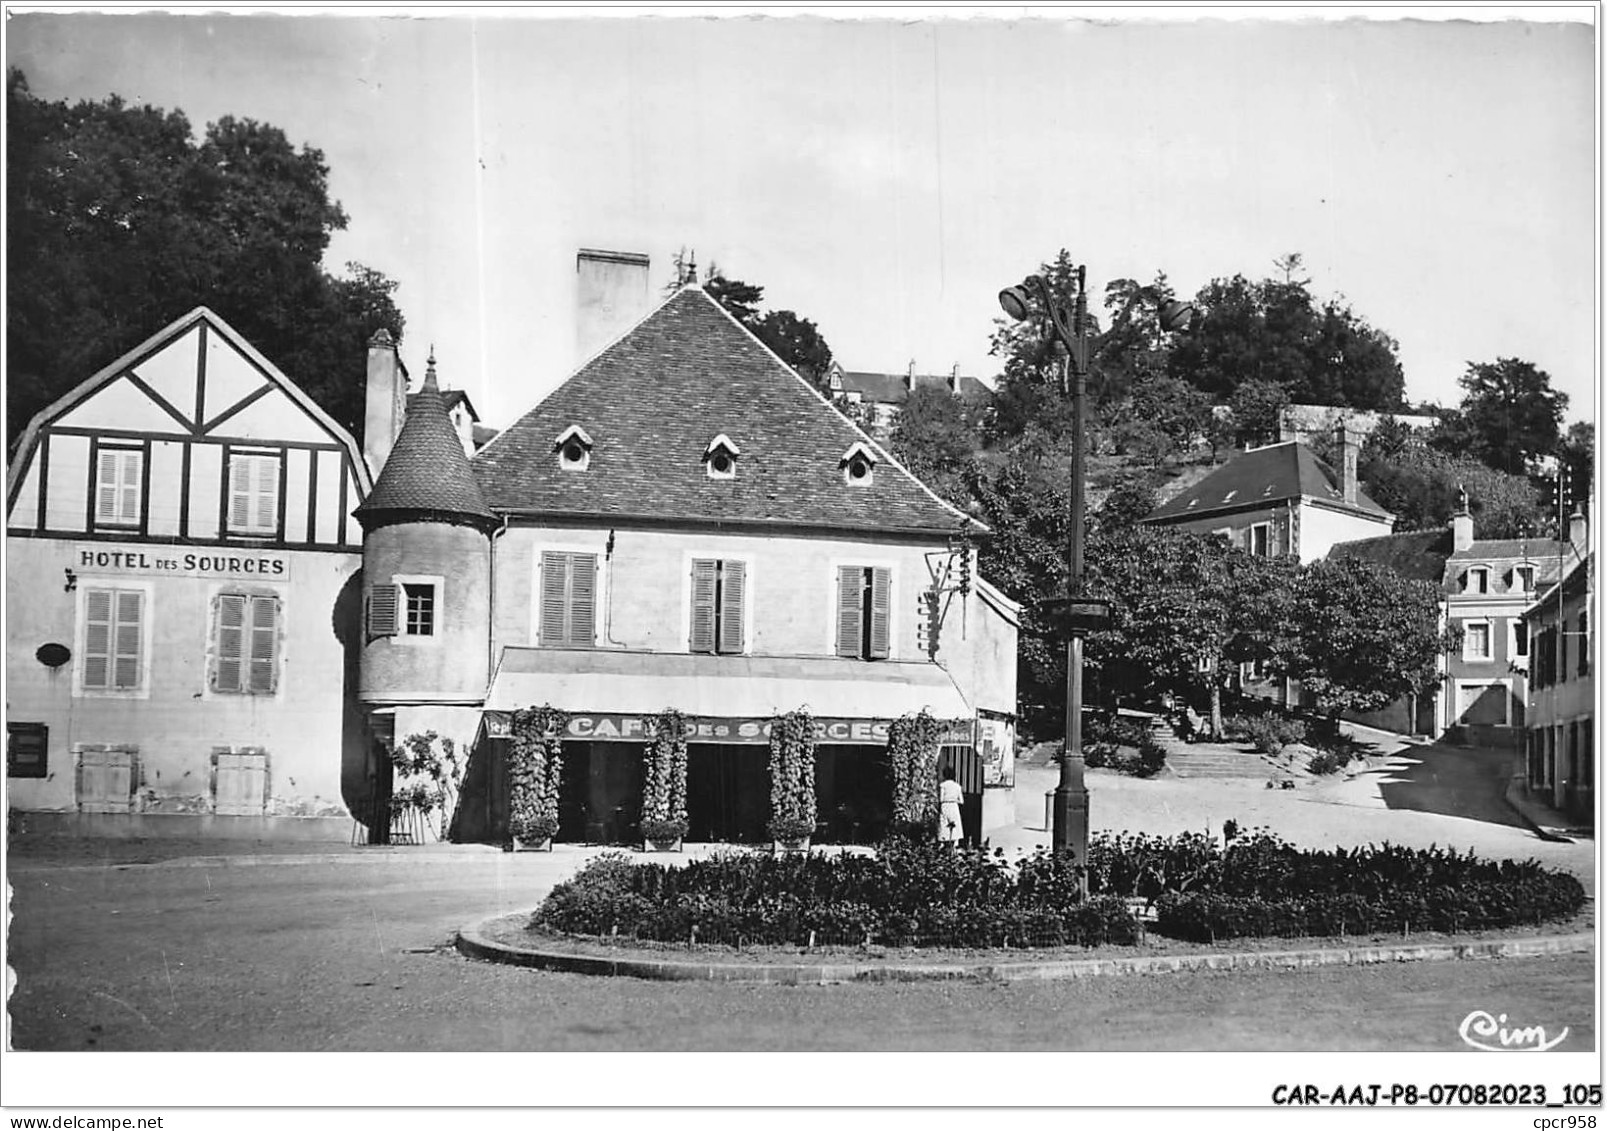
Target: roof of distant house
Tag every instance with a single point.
(426, 474)
(1262, 476)
(450, 399)
(893, 388)
(650, 403)
(1417, 554)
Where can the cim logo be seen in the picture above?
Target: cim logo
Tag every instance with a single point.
(1478, 1028)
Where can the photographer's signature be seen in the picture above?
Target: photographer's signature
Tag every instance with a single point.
(1479, 1027)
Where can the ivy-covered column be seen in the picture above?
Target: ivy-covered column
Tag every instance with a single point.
(792, 778)
(912, 745)
(664, 819)
(535, 771)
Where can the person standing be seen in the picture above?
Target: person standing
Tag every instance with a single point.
(949, 796)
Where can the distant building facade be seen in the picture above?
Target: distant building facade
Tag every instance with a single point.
(1305, 422)
(1559, 737)
(883, 394)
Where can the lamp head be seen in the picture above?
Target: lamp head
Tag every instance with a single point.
(1016, 302)
(1178, 316)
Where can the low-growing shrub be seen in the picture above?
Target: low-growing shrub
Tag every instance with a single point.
(1271, 733)
(1123, 745)
(1328, 761)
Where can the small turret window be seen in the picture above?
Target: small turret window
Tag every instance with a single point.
(573, 446)
(720, 457)
(858, 465)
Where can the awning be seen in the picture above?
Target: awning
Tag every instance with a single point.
(730, 698)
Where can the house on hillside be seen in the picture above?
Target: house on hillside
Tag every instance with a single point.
(1303, 422)
(683, 523)
(1559, 738)
(182, 582)
(885, 393)
(1485, 585)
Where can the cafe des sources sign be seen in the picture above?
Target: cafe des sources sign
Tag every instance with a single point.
(594, 726)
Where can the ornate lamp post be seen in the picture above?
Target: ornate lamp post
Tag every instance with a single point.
(1030, 299)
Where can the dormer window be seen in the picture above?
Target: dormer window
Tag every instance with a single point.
(1523, 578)
(1478, 580)
(859, 465)
(574, 449)
(720, 457)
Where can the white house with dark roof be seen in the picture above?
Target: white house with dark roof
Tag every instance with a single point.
(181, 593)
(685, 522)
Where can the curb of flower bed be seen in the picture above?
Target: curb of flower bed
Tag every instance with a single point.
(474, 942)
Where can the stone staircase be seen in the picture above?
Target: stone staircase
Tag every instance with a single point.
(1223, 761)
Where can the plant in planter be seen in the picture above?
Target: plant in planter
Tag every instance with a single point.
(427, 774)
(535, 767)
(792, 779)
(912, 743)
(664, 782)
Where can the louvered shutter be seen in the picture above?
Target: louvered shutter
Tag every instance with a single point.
(733, 602)
(231, 643)
(239, 492)
(97, 637)
(850, 623)
(106, 488)
(554, 582)
(582, 600)
(129, 510)
(264, 643)
(267, 493)
(126, 639)
(703, 586)
(382, 601)
(880, 613)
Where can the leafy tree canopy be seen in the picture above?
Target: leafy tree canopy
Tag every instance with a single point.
(1509, 416)
(119, 220)
(1421, 486)
(935, 437)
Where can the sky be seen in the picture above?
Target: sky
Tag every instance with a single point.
(885, 177)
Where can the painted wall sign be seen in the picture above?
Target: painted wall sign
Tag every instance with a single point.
(607, 727)
(183, 561)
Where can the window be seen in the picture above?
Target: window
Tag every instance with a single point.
(1261, 539)
(568, 611)
(420, 609)
(114, 629)
(719, 598)
(720, 458)
(1477, 580)
(254, 494)
(1523, 578)
(27, 750)
(573, 446)
(246, 644)
(1520, 638)
(1584, 644)
(863, 605)
(1476, 640)
(858, 464)
(118, 475)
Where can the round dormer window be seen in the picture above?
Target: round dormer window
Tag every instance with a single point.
(574, 453)
(858, 470)
(721, 463)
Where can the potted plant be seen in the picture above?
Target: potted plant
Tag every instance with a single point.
(427, 776)
(535, 768)
(792, 781)
(664, 782)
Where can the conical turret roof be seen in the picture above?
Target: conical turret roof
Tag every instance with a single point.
(426, 478)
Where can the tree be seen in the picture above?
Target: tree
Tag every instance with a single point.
(118, 221)
(934, 437)
(1577, 459)
(1031, 388)
(1362, 635)
(795, 340)
(1422, 487)
(1509, 416)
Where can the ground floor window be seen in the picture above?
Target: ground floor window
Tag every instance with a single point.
(27, 750)
(107, 777)
(239, 781)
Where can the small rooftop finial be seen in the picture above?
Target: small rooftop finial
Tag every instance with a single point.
(429, 371)
(691, 269)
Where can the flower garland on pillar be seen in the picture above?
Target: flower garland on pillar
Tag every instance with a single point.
(912, 743)
(792, 776)
(664, 782)
(535, 769)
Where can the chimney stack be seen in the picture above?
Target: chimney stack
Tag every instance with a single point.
(1350, 456)
(613, 296)
(909, 377)
(954, 379)
(1579, 531)
(385, 402)
(1461, 523)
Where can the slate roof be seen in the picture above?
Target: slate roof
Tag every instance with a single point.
(1419, 555)
(893, 388)
(450, 399)
(1517, 549)
(653, 400)
(426, 475)
(1263, 476)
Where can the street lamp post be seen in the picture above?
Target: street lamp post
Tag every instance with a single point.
(1084, 615)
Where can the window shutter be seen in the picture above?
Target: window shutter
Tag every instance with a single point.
(1584, 644)
(97, 637)
(582, 600)
(106, 488)
(129, 512)
(703, 584)
(733, 594)
(231, 643)
(239, 492)
(880, 608)
(267, 494)
(126, 640)
(382, 611)
(554, 581)
(264, 643)
(850, 592)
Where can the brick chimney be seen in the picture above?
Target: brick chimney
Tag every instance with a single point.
(385, 401)
(909, 377)
(1461, 523)
(1350, 456)
(613, 296)
(954, 379)
(1579, 531)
